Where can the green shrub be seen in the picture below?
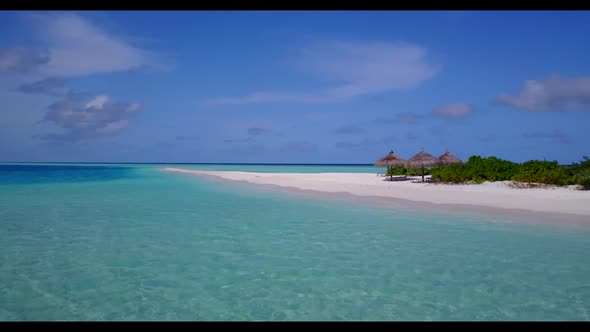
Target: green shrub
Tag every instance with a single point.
(547, 172)
(478, 170)
(455, 173)
(583, 165)
(417, 171)
(398, 170)
(582, 178)
(390, 171)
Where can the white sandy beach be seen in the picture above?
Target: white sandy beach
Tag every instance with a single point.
(489, 194)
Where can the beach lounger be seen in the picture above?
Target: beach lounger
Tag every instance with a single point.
(419, 180)
(396, 178)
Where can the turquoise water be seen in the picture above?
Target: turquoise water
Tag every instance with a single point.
(278, 168)
(134, 243)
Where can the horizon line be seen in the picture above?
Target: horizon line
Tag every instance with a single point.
(172, 163)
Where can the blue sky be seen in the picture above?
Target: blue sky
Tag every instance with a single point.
(293, 86)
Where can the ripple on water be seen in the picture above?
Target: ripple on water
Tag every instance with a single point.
(156, 246)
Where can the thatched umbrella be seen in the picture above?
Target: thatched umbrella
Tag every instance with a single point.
(447, 159)
(391, 160)
(422, 159)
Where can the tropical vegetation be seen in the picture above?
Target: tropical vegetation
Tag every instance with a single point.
(400, 170)
(478, 170)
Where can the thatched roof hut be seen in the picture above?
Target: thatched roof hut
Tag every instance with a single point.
(422, 159)
(447, 159)
(391, 160)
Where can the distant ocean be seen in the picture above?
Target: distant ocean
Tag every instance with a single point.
(130, 242)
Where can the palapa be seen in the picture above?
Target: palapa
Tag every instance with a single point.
(448, 159)
(422, 159)
(391, 160)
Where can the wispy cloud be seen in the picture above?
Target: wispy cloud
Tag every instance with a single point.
(74, 46)
(555, 94)
(84, 117)
(45, 86)
(402, 118)
(348, 130)
(21, 60)
(361, 69)
(453, 111)
(551, 135)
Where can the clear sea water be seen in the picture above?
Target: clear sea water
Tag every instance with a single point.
(129, 242)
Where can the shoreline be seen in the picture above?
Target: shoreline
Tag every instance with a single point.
(551, 206)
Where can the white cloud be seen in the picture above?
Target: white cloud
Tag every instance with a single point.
(453, 111)
(555, 94)
(133, 107)
(97, 102)
(76, 47)
(358, 68)
(48, 85)
(21, 60)
(113, 127)
(82, 117)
